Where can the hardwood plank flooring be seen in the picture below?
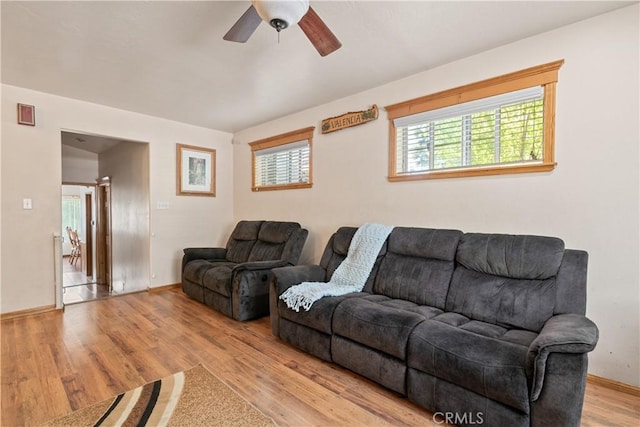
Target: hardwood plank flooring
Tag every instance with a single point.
(55, 363)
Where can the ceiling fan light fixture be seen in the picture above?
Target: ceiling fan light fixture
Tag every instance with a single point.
(281, 14)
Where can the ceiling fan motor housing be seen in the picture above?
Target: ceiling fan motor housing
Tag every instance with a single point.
(278, 24)
(281, 14)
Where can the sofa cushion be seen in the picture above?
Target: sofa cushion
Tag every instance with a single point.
(375, 325)
(277, 232)
(480, 357)
(336, 251)
(247, 230)
(272, 239)
(424, 242)
(423, 310)
(512, 303)
(319, 316)
(418, 265)
(516, 257)
(239, 250)
(266, 251)
(218, 279)
(195, 270)
(242, 239)
(506, 280)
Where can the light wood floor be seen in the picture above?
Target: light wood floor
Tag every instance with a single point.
(57, 362)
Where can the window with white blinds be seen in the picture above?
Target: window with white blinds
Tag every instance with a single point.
(71, 213)
(283, 161)
(502, 129)
(500, 125)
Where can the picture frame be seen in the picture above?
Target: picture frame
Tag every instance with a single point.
(26, 115)
(196, 171)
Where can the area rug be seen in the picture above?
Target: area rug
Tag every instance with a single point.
(191, 398)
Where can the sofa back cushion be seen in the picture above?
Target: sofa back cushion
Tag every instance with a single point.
(336, 251)
(506, 280)
(516, 257)
(418, 265)
(272, 239)
(242, 240)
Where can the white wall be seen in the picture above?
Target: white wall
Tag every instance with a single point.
(590, 200)
(31, 167)
(79, 166)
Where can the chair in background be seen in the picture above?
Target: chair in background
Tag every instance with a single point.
(75, 246)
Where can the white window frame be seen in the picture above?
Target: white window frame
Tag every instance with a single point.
(544, 76)
(282, 143)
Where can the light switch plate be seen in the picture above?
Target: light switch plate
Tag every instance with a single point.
(27, 204)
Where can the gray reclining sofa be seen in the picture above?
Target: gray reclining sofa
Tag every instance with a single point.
(235, 280)
(488, 329)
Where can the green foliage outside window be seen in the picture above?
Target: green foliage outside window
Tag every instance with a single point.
(509, 134)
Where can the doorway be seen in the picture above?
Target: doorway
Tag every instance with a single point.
(79, 279)
(120, 221)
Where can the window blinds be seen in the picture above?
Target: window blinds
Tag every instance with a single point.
(502, 129)
(282, 165)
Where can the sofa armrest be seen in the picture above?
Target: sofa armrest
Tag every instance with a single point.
(564, 333)
(286, 277)
(203, 253)
(259, 265)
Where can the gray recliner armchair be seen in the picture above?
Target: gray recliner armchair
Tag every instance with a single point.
(235, 280)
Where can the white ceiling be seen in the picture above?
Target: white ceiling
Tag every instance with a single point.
(168, 59)
(92, 143)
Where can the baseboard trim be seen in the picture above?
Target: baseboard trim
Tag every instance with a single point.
(613, 385)
(164, 288)
(29, 312)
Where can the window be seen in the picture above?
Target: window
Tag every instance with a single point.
(283, 161)
(71, 213)
(496, 126)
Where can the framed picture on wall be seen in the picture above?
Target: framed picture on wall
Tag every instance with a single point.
(196, 171)
(26, 115)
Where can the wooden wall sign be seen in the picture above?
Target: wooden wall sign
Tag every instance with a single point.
(349, 119)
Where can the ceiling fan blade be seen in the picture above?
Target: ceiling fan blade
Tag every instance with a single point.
(318, 33)
(244, 27)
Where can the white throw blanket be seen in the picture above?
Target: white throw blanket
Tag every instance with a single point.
(350, 276)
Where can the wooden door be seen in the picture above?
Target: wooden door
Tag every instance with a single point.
(88, 218)
(103, 235)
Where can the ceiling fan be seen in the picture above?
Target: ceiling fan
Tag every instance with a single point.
(283, 14)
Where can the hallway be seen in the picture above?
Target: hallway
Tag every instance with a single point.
(77, 287)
